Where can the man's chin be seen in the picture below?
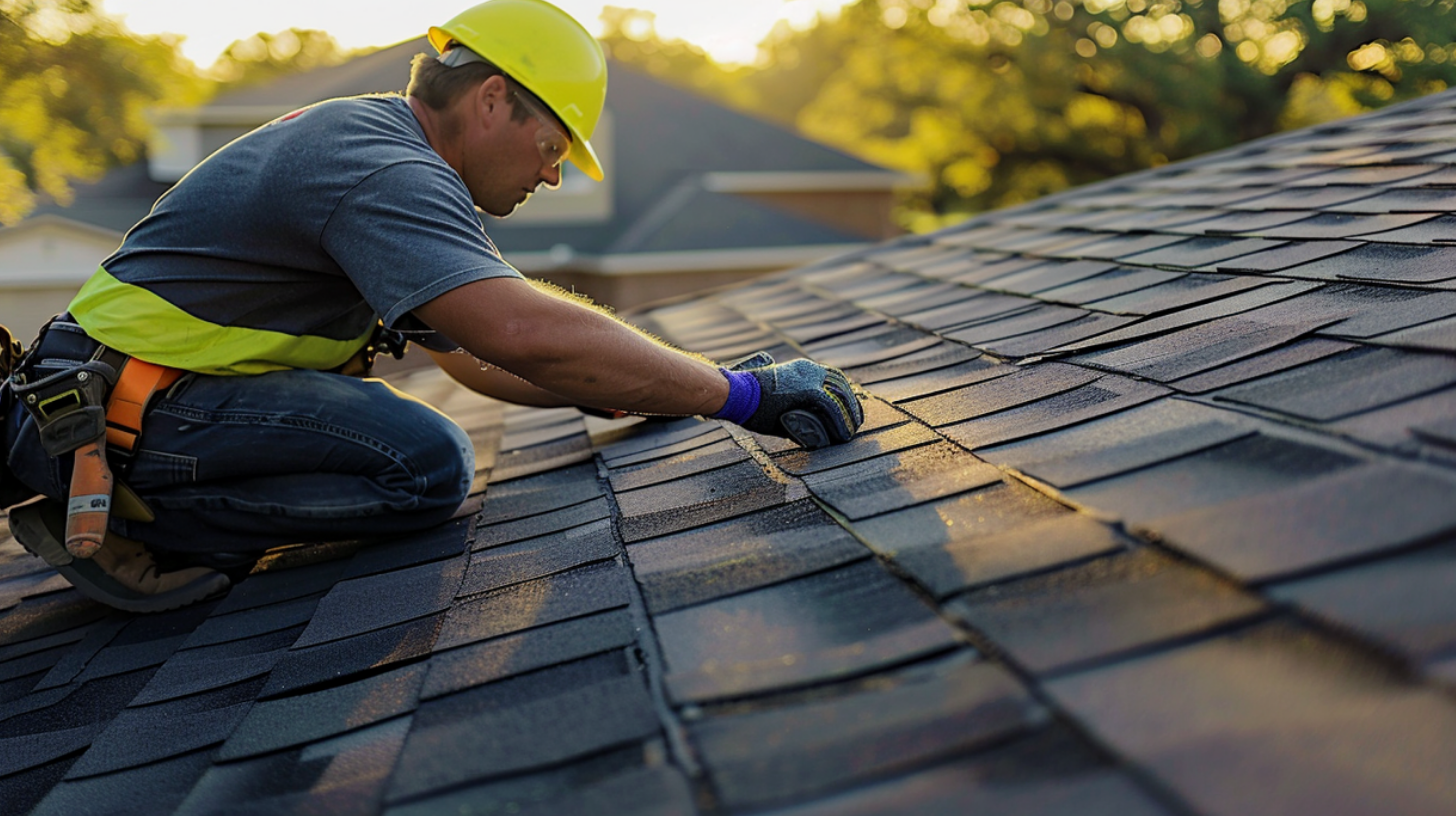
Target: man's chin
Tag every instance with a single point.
(498, 212)
(503, 210)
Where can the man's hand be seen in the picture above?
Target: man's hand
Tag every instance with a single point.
(807, 402)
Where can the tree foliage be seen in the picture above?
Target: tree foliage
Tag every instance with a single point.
(263, 57)
(1002, 101)
(74, 88)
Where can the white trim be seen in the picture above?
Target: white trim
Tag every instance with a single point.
(246, 115)
(51, 219)
(809, 181)
(562, 259)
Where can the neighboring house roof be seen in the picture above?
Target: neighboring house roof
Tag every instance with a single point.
(115, 202)
(1151, 514)
(662, 141)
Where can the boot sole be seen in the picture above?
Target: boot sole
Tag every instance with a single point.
(33, 530)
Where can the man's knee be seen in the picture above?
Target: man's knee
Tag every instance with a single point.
(448, 466)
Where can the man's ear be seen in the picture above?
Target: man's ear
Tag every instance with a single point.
(491, 95)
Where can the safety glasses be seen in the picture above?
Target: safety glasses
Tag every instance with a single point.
(554, 145)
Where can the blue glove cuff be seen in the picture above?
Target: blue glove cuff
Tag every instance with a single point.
(743, 396)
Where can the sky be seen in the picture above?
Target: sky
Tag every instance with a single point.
(729, 30)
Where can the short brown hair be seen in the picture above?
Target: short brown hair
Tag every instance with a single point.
(438, 85)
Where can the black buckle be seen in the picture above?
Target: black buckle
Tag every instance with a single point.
(69, 407)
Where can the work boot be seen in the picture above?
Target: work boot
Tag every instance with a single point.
(123, 574)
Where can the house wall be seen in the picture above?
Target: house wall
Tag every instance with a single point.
(42, 265)
(863, 212)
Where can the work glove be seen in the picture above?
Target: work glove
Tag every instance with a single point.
(802, 400)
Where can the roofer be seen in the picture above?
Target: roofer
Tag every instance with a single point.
(292, 255)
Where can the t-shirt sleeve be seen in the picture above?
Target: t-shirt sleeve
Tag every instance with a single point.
(407, 234)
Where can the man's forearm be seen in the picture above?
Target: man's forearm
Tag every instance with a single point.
(584, 355)
(495, 382)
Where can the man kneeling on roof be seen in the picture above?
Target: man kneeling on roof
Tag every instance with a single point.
(229, 317)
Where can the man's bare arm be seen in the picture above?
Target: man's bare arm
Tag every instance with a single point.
(494, 382)
(566, 348)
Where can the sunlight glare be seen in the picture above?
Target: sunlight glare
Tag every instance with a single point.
(729, 32)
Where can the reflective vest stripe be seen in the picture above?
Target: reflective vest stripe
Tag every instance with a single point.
(137, 322)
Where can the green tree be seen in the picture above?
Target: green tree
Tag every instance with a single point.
(74, 88)
(630, 37)
(263, 57)
(1002, 101)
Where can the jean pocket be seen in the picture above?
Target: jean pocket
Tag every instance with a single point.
(152, 469)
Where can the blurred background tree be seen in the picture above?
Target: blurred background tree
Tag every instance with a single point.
(999, 102)
(264, 56)
(74, 88)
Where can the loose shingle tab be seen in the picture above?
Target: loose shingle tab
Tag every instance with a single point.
(1088, 613)
(839, 623)
(984, 512)
(1040, 544)
(1199, 252)
(508, 564)
(1269, 362)
(139, 736)
(1106, 395)
(1186, 352)
(698, 499)
(1324, 731)
(1384, 262)
(345, 774)
(867, 446)
(309, 717)
(1243, 467)
(498, 658)
(778, 754)
(507, 532)
(1019, 388)
(1317, 523)
(1178, 293)
(671, 468)
(652, 789)
(1285, 256)
(210, 667)
(584, 591)
(1116, 281)
(509, 727)
(352, 657)
(1348, 383)
(899, 480)
(378, 601)
(1048, 773)
(1132, 439)
(154, 788)
(741, 554)
(937, 380)
(1405, 602)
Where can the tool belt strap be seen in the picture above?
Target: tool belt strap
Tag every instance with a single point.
(137, 383)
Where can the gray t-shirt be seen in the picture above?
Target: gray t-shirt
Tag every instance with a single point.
(319, 223)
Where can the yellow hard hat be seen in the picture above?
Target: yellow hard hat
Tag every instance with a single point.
(548, 52)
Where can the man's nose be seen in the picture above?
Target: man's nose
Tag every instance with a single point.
(551, 177)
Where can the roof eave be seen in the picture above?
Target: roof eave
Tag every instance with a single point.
(563, 259)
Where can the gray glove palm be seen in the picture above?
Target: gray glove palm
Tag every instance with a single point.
(812, 404)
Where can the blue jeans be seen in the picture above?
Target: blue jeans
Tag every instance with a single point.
(247, 463)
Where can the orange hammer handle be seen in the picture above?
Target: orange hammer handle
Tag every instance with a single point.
(90, 503)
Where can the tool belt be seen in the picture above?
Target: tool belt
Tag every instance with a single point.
(88, 410)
